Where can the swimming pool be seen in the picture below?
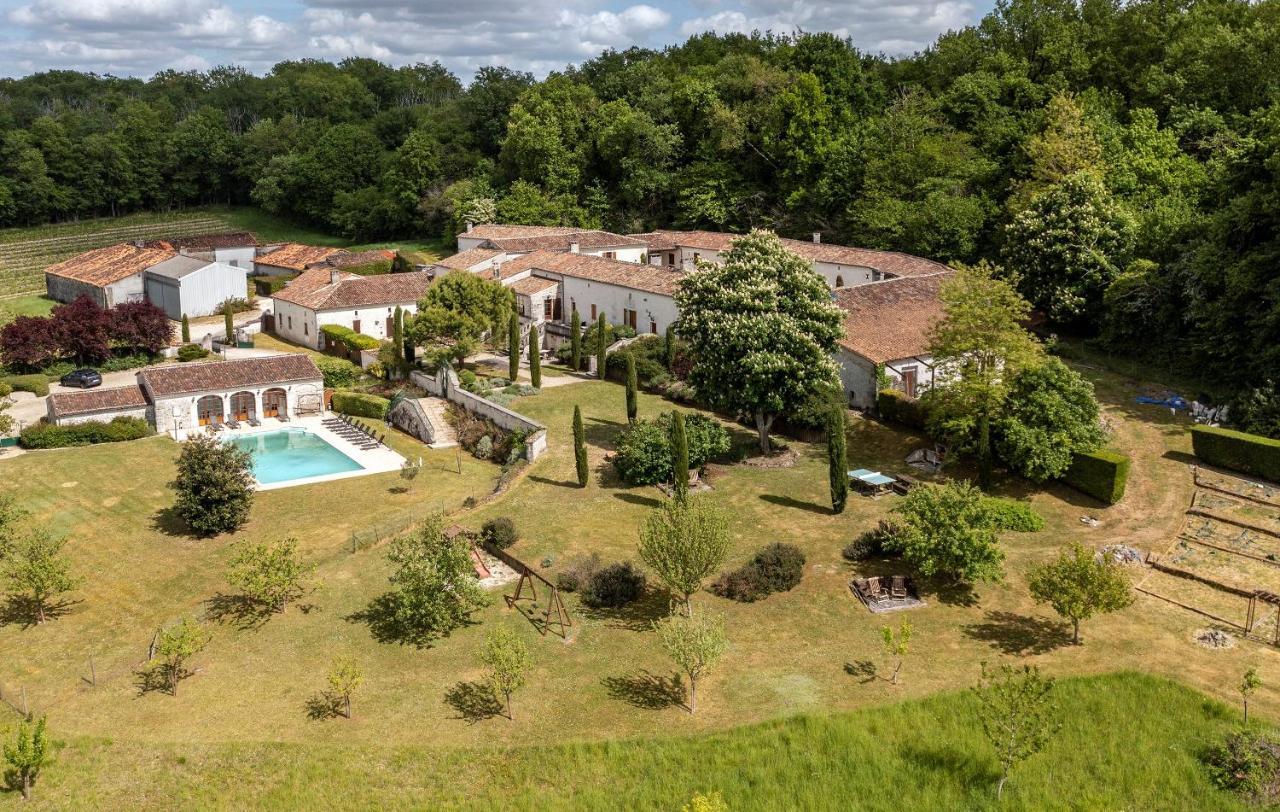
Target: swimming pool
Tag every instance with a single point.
(284, 455)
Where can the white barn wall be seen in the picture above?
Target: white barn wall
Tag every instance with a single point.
(611, 299)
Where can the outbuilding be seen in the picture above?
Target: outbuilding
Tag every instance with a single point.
(191, 286)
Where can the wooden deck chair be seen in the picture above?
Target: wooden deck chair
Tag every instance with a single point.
(898, 589)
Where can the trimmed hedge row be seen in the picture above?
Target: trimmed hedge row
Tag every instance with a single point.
(896, 407)
(37, 385)
(353, 341)
(1237, 451)
(360, 404)
(1100, 474)
(47, 435)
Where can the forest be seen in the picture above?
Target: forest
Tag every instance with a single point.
(1121, 159)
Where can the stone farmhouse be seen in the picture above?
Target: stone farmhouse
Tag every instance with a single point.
(326, 295)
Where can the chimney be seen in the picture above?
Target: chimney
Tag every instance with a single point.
(470, 225)
(817, 237)
(573, 247)
(333, 276)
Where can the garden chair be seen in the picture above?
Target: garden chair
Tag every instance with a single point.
(898, 587)
(873, 587)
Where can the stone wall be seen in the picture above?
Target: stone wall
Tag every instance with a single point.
(447, 387)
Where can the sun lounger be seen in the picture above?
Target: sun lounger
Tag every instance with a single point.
(233, 424)
(283, 418)
(255, 422)
(898, 589)
(382, 439)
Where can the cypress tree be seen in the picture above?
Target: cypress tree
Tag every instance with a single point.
(602, 346)
(229, 323)
(837, 459)
(631, 388)
(535, 359)
(513, 347)
(186, 330)
(580, 447)
(679, 457)
(575, 340)
(669, 347)
(397, 336)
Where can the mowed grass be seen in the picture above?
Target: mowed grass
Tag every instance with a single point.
(1128, 741)
(14, 307)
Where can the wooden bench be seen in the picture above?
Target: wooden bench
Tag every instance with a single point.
(904, 484)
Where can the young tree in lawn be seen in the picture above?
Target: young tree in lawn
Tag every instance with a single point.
(459, 310)
(345, 678)
(513, 347)
(29, 342)
(141, 326)
(228, 323)
(762, 328)
(575, 340)
(580, 447)
(186, 330)
(409, 470)
(632, 408)
(1018, 715)
(434, 585)
(948, 532)
(82, 330)
(896, 645)
(1049, 415)
(508, 661)
(602, 346)
(214, 485)
(27, 754)
(837, 459)
(175, 646)
(535, 359)
(36, 570)
(1079, 585)
(1249, 683)
(695, 643)
(679, 457)
(271, 574)
(978, 347)
(684, 542)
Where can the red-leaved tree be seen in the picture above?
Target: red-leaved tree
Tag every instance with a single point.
(28, 342)
(83, 330)
(140, 326)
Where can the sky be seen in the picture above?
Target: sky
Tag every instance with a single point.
(140, 37)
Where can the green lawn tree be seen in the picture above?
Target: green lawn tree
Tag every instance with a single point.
(1249, 683)
(27, 755)
(948, 532)
(684, 542)
(575, 340)
(580, 447)
(679, 457)
(1049, 415)
(459, 311)
(344, 678)
(174, 647)
(271, 574)
(762, 328)
(632, 407)
(1017, 713)
(35, 570)
(896, 644)
(535, 358)
(837, 459)
(1079, 584)
(602, 346)
(186, 330)
(409, 470)
(507, 658)
(978, 347)
(228, 323)
(434, 585)
(695, 643)
(513, 347)
(214, 485)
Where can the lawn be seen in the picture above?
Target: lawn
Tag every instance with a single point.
(12, 308)
(813, 651)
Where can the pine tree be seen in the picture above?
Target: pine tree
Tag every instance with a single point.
(186, 330)
(602, 346)
(580, 447)
(575, 341)
(535, 359)
(837, 460)
(632, 408)
(229, 323)
(679, 458)
(513, 347)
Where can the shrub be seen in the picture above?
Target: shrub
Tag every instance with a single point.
(579, 573)
(896, 407)
(237, 305)
(1017, 516)
(359, 404)
(776, 568)
(376, 267)
(37, 385)
(192, 352)
(338, 373)
(644, 450)
(1248, 763)
(348, 338)
(613, 586)
(468, 381)
(483, 449)
(119, 363)
(873, 543)
(499, 532)
(271, 285)
(472, 430)
(1237, 451)
(1100, 474)
(47, 435)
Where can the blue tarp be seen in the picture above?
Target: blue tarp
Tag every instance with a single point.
(1172, 401)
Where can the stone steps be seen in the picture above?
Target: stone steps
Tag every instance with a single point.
(441, 430)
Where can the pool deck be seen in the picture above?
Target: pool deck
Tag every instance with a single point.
(372, 461)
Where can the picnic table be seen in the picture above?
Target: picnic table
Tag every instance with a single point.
(874, 481)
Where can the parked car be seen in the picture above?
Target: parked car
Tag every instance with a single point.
(83, 378)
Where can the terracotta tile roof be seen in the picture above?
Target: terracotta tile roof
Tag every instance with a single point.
(209, 242)
(466, 260)
(296, 256)
(889, 320)
(648, 278)
(315, 290)
(89, 401)
(586, 240)
(347, 259)
(531, 285)
(500, 231)
(216, 376)
(102, 266)
(887, 262)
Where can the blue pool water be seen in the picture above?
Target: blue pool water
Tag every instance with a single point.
(288, 454)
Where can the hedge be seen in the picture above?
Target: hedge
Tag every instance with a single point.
(1237, 451)
(353, 341)
(896, 407)
(37, 385)
(359, 404)
(271, 285)
(375, 268)
(1100, 474)
(47, 435)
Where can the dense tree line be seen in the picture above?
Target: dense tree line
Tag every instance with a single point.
(1120, 158)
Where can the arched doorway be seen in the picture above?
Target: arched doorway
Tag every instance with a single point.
(275, 403)
(243, 407)
(209, 410)
(839, 281)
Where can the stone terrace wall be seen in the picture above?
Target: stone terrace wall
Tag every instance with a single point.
(447, 387)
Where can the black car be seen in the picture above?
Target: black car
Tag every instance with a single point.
(83, 378)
